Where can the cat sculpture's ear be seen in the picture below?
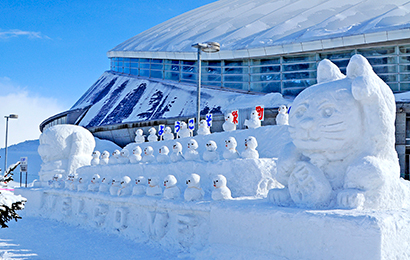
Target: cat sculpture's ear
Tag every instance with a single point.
(328, 71)
(365, 82)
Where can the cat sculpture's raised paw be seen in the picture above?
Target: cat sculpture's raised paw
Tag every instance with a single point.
(308, 186)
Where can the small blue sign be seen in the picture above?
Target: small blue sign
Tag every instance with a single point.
(177, 126)
(161, 129)
(209, 120)
(191, 124)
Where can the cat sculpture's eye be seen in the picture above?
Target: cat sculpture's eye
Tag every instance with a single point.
(300, 111)
(328, 112)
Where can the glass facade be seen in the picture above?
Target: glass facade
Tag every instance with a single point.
(59, 121)
(288, 74)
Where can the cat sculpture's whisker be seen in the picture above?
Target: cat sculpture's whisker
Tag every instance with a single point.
(332, 125)
(334, 131)
(334, 138)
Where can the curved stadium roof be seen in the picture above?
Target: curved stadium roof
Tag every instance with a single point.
(247, 28)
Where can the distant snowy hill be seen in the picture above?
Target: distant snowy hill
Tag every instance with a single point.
(25, 149)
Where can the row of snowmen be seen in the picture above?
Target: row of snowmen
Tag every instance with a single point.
(203, 129)
(191, 154)
(142, 186)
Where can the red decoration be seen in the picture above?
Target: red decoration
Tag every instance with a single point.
(235, 117)
(261, 112)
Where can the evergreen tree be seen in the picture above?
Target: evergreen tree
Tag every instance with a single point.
(9, 202)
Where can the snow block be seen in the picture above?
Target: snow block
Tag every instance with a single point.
(308, 234)
(176, 225)
(235, 229)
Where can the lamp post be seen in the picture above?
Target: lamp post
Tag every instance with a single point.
(208, 47)
(13, 116)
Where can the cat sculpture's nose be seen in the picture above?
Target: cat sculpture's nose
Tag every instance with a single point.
(307, 123)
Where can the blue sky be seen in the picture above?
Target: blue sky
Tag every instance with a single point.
(51, 52)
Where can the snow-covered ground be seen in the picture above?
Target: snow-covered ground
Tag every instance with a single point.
(39, 238)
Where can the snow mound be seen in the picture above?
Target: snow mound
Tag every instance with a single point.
(63, 149)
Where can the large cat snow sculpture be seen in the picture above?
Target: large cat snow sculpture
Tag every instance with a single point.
(342, 153)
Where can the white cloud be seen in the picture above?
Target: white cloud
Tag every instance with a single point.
(31, 109)
(16, 33)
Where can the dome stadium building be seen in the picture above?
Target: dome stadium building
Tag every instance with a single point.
(269, 51)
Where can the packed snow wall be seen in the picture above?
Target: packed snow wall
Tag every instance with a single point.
(234, 229)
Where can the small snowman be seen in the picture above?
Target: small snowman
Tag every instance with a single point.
(193, 192)
(58, 182)
(152, 137)
(221, 191)
(139, 136)
(115, 186)
(228, 125)
(168, 135)
(126, 188)
(82, 184)
(140, 186)
(68, 181)
(210, 155)
(135, 157)
(104, 185)
(250, 151)
(105, 158)
(282, 118)
(203, 128)
(71, 182)
(124, 157)
(162, 156)
(192, 154)
(230, 151)
(94, 183)
(115, 158)
(184, 131)
(171, 190)
(96, 158)
(254, 121)
(153, 188)
(176, 152)
(148, 155)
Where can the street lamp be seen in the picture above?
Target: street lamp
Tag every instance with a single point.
(209, 47)
(13, 116)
